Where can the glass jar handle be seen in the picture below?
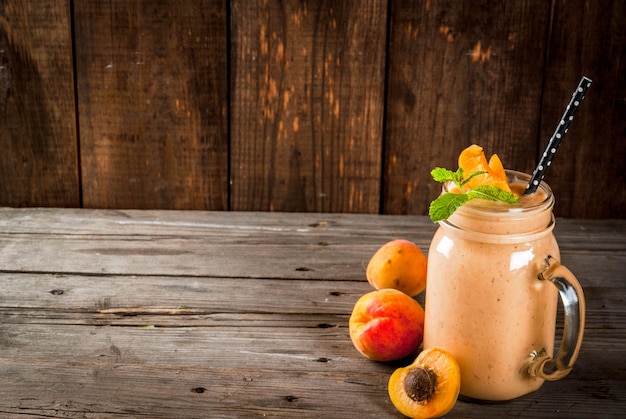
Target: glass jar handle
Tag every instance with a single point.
(542, 364)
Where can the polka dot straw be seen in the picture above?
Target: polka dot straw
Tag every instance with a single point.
(546, 159)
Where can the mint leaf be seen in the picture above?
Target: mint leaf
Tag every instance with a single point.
(444, 206)
(442, 175)
(492, 193)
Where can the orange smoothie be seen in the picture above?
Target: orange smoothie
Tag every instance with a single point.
(484, 302)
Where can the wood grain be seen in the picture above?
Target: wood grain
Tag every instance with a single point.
(588, 175)
(152, 98)
(162, 340)
(459, 73)
(307, 105)
(313, 246)
(38, 143)
(303, 106)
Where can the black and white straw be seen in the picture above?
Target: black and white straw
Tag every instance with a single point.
(553, 145)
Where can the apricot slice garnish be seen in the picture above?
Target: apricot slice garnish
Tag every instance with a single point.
(473, 159)
(429, 387)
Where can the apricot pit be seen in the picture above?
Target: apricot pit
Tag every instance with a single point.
(420, 384)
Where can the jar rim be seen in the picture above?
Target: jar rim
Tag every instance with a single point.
(515, 209)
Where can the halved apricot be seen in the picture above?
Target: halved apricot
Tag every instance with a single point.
(473, 159)
(429, 387)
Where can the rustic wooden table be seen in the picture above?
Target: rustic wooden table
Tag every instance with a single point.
(167, 314)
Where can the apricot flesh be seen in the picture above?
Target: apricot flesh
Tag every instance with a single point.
(399, 264)
(473, 159)
(386, 325)
(429, 387)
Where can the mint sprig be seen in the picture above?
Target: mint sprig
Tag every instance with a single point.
(445, 205)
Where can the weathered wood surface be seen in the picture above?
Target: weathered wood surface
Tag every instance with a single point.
(459, 76)
(38, 138)
(152, 90)
(166, 314)
(300, 105)
(589, 38)
(308, 105)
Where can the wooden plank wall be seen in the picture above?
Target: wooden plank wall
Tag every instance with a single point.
(295, 105)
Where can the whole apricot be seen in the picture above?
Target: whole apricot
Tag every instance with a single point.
(386, 325)
(398, 264)
(429, 387)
